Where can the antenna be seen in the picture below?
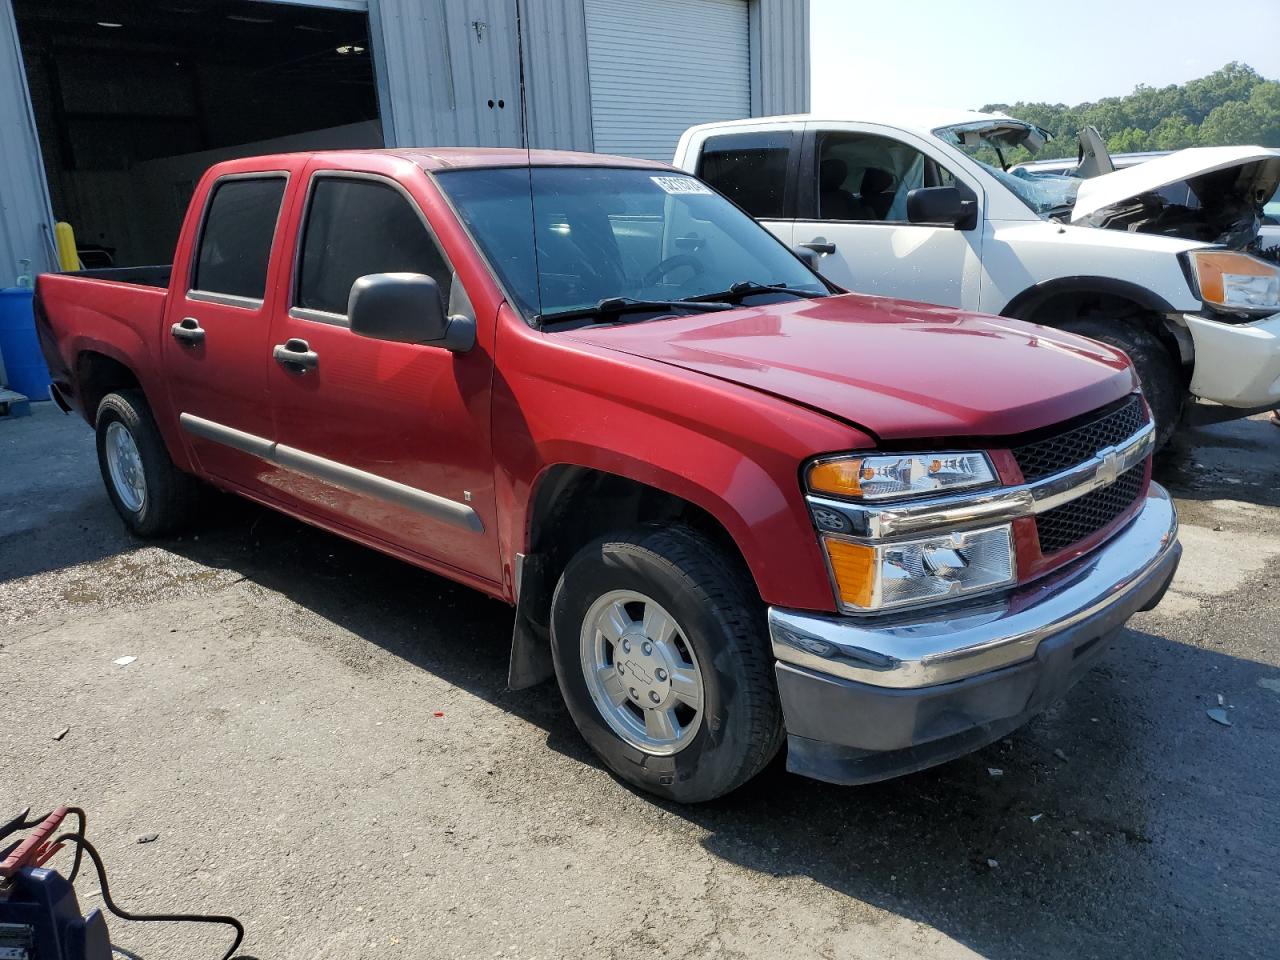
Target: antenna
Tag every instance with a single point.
(524, 104)
(528, 152)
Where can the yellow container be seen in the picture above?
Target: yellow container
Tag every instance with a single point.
(65, 238)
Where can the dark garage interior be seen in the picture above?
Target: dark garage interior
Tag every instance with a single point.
(133, 100)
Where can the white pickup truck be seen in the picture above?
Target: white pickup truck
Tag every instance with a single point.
(922, 209)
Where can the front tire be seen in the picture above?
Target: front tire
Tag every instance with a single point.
(152, 496)
(1157, 370)
(662, 656)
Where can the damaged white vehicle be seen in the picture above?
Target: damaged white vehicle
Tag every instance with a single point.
(1160, 259)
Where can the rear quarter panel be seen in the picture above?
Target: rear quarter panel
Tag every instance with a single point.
(83, 315)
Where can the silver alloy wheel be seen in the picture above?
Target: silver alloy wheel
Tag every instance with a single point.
(124, 463)
(641, 672)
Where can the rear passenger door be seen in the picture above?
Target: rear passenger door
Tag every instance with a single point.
(756, 170)
(215, 335)
(390, 440)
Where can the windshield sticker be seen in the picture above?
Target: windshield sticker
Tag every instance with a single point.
(681, 185)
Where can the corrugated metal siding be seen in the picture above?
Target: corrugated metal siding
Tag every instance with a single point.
(780, 57)
(662, 66)
(24, 198)
(442, 62)
(557, 85)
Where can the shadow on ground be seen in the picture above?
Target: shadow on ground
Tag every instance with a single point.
(1237, 460)
(1151, 822)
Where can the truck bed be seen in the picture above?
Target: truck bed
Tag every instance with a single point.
(87, 316)
(150, 276)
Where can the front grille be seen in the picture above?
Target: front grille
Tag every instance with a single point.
(1072, 522)
(1044, 458)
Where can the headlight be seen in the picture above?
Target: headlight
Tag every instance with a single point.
(1235, 282)
(900, 475)
(887, 575)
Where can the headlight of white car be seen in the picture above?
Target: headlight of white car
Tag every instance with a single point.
(1235, 282)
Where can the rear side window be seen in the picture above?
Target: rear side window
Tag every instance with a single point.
(358, 227)
(235, 243)
(750, 169)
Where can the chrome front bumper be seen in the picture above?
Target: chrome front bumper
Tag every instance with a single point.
(905, 651)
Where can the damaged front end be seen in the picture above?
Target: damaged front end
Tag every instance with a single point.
(1209, 195)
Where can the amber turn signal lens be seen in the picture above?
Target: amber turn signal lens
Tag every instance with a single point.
(853, 567)
(843, 478)
(1212, 266)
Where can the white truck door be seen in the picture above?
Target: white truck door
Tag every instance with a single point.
(852, 208)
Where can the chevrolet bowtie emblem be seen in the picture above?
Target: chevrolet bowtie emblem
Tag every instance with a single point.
(1109, 468)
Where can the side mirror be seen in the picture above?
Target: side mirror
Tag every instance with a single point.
(406, 308)
(947, 206)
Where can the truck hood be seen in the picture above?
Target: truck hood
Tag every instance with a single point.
(1257, 177)
(898, 369)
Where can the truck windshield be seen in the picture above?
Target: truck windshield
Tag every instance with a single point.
(1045, 193)
(566, 239)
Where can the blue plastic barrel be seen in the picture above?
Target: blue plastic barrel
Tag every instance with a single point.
(23, 362)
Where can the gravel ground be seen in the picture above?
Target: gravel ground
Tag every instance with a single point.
(322, 739)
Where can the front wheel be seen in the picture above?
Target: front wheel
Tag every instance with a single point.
(662, 656)
(1158, 372)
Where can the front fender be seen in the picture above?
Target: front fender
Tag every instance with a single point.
(732, 451)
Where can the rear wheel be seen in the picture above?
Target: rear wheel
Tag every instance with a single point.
(661, 653)
(152, 496)
(1157, 370)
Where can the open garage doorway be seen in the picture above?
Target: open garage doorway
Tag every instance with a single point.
(134, 99)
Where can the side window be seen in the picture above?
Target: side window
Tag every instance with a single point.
(358, 227)
(235, 241)
(865, 177)
(750, 169)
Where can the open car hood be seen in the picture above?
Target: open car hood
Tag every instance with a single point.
(899, 369)
(1258, 177)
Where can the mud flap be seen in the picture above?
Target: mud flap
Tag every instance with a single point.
(531, 662)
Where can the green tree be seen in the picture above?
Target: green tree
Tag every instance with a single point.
(1128, 140)
(1174, 133)
(1256, 120)
(1232, 105)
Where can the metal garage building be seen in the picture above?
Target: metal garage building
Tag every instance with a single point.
(111, 109)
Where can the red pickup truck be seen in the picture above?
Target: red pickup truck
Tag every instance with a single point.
(730, 503)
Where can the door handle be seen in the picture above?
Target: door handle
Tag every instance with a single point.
(188, 331)
(820, 245)
(295, 355)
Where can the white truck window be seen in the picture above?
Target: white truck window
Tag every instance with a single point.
(865, 177)
(750, 169)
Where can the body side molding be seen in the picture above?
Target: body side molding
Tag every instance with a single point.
(338, 474)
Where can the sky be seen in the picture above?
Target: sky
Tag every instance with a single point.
(966, 53)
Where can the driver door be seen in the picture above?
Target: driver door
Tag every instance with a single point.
(854, 181)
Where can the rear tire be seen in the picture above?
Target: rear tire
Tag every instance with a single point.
(152, 496)
(1158, 372)
(697, 652)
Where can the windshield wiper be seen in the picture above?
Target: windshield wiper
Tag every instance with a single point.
(745, 288)
(617, 306)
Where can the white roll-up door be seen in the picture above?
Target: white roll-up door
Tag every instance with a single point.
(660, 66)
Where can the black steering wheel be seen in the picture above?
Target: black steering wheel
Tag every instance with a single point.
(671, 264)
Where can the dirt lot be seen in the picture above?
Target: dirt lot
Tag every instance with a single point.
(279, 732)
